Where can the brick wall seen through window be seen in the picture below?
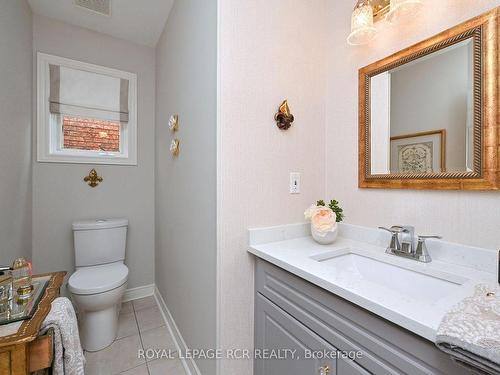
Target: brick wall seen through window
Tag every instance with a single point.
(91, 134)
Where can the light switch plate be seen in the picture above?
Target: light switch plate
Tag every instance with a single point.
(294, 183)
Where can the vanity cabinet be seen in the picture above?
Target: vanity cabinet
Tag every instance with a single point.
(293, 314)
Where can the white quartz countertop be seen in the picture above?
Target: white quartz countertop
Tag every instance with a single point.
(298, 253)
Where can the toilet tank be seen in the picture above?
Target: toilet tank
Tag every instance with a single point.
(99, 241)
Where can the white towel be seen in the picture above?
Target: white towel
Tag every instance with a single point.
(470, 332)
(68, 353)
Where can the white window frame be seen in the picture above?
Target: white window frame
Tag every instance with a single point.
(49, 129)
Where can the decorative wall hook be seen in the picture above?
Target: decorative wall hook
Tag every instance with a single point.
(173, 123)
(284, 118)
(174, 147)
(93, 179)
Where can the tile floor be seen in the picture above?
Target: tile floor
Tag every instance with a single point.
(140, 326)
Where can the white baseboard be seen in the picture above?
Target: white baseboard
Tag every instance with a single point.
(140, 292)
(189, 364)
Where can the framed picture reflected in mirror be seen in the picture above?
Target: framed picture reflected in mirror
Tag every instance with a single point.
(423, 152)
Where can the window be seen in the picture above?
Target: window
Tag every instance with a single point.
(86, 113)
(88, 134)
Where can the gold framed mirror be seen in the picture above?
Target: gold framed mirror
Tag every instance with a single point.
(429, 114)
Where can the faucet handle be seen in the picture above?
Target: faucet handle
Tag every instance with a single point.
(421, 252)
(429, 237)
(395, 244)
(395, 229)
(386, 229)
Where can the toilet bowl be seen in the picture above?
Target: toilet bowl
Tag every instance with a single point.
(100, 279)
(97, 292)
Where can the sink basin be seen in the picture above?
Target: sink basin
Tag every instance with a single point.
(391, 274)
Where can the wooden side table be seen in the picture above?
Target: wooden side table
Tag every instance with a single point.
(24, 351)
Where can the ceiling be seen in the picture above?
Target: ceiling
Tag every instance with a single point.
(136, 21)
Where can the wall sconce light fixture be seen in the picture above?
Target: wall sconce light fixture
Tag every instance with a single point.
(367, 12)
(362, 29)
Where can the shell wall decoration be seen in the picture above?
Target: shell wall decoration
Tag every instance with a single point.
(173, 123)
(174, 147)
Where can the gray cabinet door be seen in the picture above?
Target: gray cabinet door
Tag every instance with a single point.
(279, 334)
(348, 367)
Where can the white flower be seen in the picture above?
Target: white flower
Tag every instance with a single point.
(308, 214)
(323, 219)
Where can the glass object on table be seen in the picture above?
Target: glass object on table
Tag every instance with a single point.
(5, 294)
(21, 278)
(23, 308)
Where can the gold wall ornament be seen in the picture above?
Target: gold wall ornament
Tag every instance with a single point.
(173, 123)
(93, 179)
(284, 118)
(174, 147)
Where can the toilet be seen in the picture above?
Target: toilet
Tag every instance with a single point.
(100, 279)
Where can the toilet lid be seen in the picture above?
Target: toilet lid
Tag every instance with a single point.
(98, 279)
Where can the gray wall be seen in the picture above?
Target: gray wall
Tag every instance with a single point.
(432, 95)
(15, 127)
(61, 196)
(186, 71)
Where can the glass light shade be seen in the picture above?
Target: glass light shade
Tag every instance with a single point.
(401, 8)
(362, 29)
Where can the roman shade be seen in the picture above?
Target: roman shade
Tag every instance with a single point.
(81, 93)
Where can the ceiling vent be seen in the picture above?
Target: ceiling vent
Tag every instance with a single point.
(99, 6)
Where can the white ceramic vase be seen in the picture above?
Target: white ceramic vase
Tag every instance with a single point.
(325, 238)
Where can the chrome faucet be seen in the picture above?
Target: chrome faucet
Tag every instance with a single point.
(408, 239)
(405, 244)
